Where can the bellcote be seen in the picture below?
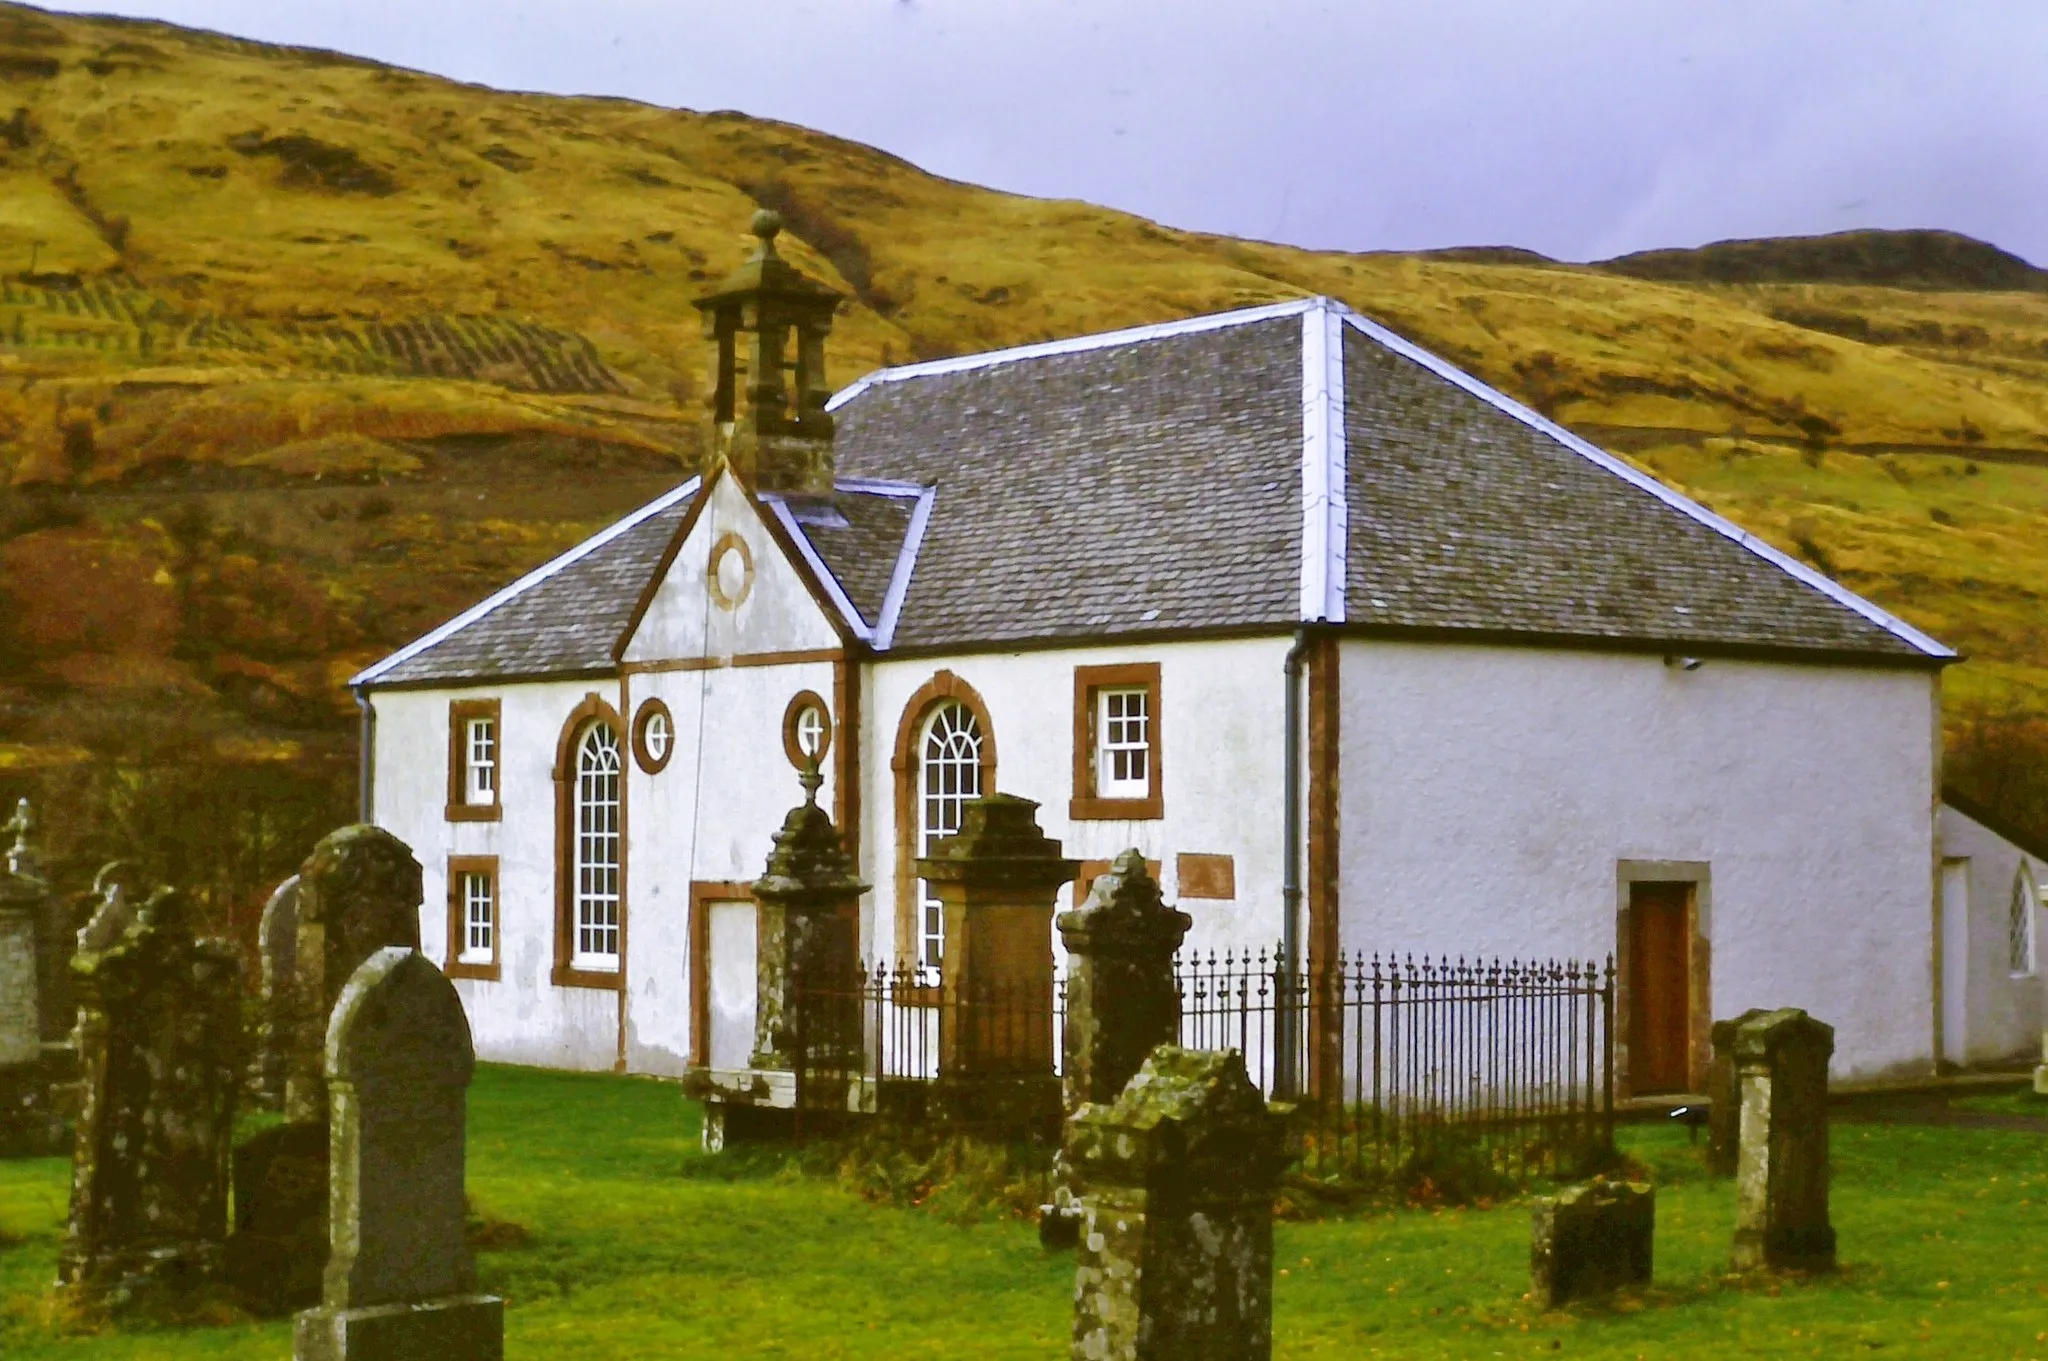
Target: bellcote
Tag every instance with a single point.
(768, 416)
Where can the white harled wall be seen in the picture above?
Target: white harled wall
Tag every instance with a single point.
(1489, 796)
(523, 1017)
(1999, 1010)
(1222, 727)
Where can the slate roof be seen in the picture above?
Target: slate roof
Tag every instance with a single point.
(859, 535)
(1464, 517)
(1166, 479)
(1131, 488)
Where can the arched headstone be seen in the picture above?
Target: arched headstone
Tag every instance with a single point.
(400, 1280)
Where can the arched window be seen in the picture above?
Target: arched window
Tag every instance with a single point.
(949, 774)
(596, 848)
(2019, 929)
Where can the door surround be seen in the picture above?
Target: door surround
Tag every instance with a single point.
(1699, 983)
(703, 893)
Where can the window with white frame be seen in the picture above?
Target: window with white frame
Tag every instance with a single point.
(480, 761)
(949, 774)
(2019, 928)
(479, 917)
(810, 730)
(596, 831)
(1123, 743)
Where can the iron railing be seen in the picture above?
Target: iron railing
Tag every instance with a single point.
(1388, 1062)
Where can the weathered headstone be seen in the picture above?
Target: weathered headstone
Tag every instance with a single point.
(159, 1035)
(277, 945)
(1590, 1240)
(1122, 1003)
(359, 891)
(809, 940)
(1781, 1178)
(1176, 1254)
(2041, 1069)
(996, 879)
(1724, 1096)
(35, 1001)
(400, 1281)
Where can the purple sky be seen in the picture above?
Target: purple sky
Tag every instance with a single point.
(1580, 128)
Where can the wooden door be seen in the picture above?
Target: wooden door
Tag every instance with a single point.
(1659, 987)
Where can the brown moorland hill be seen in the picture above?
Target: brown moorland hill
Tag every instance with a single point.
(300, 354)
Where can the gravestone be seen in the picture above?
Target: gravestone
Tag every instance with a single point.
(809, 941)
(1724, 1096)
(1176, 1253)
(1590, 1240)
(35, 1001)
(1122, 1003)
(2041, 1069)
(358, 892)
(277, 945)
(400, 1281)
(159, 1051)
(1781, 1177)
(996, 879)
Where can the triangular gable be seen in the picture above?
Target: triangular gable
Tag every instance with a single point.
(770, 599)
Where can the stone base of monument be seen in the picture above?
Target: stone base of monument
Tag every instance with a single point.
(459, 1328)
(1590, 1240)
(279, 1245)
(1004, 1107)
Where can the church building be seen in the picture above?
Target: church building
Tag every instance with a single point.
(1361, 653)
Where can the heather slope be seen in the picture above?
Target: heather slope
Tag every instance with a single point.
(299, 354)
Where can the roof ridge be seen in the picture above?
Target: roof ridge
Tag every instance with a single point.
(1685, 505)
(1101, 340)
(526, 583)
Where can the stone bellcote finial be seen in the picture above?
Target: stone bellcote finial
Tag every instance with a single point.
(768, 416)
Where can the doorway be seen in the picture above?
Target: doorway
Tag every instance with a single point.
(1660, 966)
(724, 961)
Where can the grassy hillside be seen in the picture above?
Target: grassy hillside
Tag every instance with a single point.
(299, 354)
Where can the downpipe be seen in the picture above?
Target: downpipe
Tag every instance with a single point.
(1287, 992)
(366, 758)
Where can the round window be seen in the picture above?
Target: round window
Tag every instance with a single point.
(654, 736)
(731, 572)
(806, 730)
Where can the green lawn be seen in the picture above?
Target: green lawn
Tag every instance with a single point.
(1944, 1240)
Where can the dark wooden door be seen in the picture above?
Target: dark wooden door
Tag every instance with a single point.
(1659, 969)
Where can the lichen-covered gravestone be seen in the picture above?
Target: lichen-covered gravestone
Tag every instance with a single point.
(1122, 1003)
(159, 1035)
(1590, 1240)
(35, 1001)
(277, 943)
(1724, 1096)
(358, 892)
(400, 1281)
(1176, 1253)
(1781, 1177)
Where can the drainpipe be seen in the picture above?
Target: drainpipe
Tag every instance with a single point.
(1285, 1078)
(366, 757)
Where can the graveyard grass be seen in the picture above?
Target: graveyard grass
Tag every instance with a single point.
(1944, 1243)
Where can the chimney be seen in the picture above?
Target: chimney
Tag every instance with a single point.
(768, 415)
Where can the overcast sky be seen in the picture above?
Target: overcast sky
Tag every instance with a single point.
(1579, 128)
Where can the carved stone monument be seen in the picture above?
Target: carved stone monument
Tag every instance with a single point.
(1724, 1096)
(277, 945)
(1781, 1177)
(1590, 1240)
(1122, 1004)
(35, 1001)
(1176, 1253)
(400, 1281)
(159, 1035)
(809, 942)
(996, 879)
(358, 892)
